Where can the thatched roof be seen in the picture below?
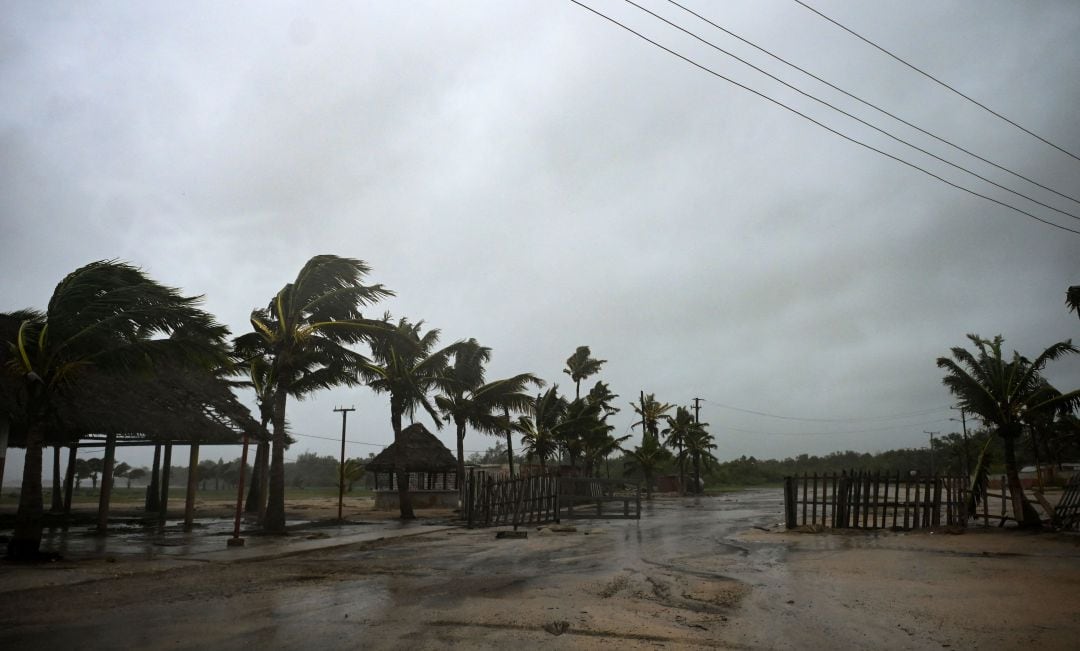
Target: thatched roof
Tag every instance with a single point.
(425, 453)
(169, 403)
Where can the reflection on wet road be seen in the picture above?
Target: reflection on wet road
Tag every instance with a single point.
(672, 577)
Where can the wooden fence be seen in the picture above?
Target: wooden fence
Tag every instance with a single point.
(588, 497)
(495, 499)
(861, 500)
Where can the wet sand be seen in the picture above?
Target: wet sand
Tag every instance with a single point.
(693, 573)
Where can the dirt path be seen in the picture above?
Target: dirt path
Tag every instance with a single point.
(691, 574)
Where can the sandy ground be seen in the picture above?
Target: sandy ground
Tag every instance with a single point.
(693, 573)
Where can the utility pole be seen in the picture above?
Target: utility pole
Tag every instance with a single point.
(931, 450)
(644, 423)
(697, 410)
(963, 421)
(341, 475)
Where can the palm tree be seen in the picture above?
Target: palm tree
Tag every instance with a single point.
(581, 365)
(406, 365)
(698, 446)
(650, 411)
(304, 334)
(106, 318)
(646, 459)
(679, 427)
(1072, 299)
(542, 427)
(470, 402)
(1005, 395)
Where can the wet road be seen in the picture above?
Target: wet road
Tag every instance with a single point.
(673, 578)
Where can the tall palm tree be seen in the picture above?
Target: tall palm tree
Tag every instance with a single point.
(470, 402)
(106, 318)
(304, 334)
(650, 411)
(580, 366)
(406, 365)
(541, 428)
(1005, 394)
(698, 446)
(646, 460)
(678, 429)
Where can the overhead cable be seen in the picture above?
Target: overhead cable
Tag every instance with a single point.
(822, 125)
(938, 81)
(875, 106)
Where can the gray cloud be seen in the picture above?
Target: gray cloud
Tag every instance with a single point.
(531, 176)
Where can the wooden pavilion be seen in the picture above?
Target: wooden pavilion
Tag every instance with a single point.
(431, 468)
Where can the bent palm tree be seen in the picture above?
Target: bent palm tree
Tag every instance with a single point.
(650, 411)
(698, 446)
(580, 366)
(678, 429)
(1004, 394)
(304, 334)
(405, 366)
(646, 459)
(106, 318)
(541, 428)
(470, 402)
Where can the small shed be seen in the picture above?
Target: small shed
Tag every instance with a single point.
(432, 470)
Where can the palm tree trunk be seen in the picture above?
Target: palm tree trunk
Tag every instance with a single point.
(509, 442)
(106, 483)
(461, 461)
(1024, 513)
(682, 470)
(697, 473)
(274, 522)
(401, 460)
(26, 540)
(57, 498)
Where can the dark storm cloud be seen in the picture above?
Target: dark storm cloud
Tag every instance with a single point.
(529, 175)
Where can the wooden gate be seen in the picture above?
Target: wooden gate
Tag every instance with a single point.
(862, 500)
(495, 499)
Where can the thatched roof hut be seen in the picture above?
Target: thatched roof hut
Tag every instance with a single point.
(171, 402)
(424, 453)
(431, 469)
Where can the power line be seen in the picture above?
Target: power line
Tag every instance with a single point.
(850, 115)
(938, 81)
(910, 414)
(724, 428)
(874, 106)
(822, 125)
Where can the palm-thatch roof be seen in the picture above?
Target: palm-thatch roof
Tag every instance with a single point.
(424, 453)
(172, 402)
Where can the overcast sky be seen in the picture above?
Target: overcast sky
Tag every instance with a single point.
(531, 175)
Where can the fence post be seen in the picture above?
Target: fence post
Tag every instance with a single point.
(790, 513)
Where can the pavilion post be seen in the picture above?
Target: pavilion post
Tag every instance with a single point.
(155, 478)
(69, 477)
(57, 489)
(5, 426)
(106, 483)
(192, 482)
(166, 467)
(236, 540)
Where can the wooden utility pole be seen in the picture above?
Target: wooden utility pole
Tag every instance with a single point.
(931, 450)
(697, 410)
(341, 475)
(644, 421)
(963, 422)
